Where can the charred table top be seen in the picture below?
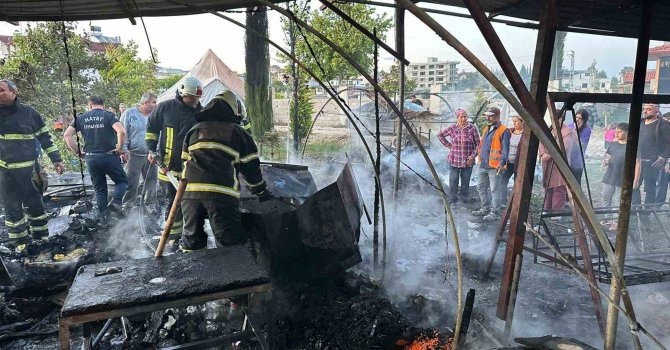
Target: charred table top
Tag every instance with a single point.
(224, 271)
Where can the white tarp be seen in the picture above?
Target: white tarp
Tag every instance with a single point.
(214, 76)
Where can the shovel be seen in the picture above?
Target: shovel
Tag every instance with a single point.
(5, 278)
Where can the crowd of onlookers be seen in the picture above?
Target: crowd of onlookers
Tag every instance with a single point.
(495, 149)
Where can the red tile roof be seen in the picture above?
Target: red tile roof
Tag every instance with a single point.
(655, 52)
(628, 76)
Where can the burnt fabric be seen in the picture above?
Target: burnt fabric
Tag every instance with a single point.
(224, 218)
(18, 192)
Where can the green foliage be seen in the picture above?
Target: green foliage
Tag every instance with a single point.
(353, 42)
(390, 81)
(305, 110)
(557, 62)
(124, 76)
(614, 84)
(165, 83)
(471, 81)
(480, 102)
(257, 83)
(602, 74)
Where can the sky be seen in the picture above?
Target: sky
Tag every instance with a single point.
(181, 41)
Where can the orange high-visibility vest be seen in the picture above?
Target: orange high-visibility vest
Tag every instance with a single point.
(495, 155)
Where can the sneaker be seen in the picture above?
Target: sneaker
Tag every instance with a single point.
(116, 208)
(480, 212)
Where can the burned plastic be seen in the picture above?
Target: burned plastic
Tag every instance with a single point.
(315, 240)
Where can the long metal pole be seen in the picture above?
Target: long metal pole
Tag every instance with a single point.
(375, 235)
(296, 78)
(400, 47)
(617, 287)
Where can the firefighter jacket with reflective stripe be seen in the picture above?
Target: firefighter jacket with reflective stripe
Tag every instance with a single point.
(497, 151)
(21, 128)
(167, 126)
(215, 151)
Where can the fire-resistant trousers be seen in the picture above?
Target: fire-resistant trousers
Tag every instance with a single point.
(177, 225)
(224, 218)
(17, 191)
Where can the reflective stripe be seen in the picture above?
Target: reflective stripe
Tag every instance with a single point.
(17, 137)
(249, 158)
(41, 131)
(151, 136)
(18, 165)
(255, 185)
(51, 149)
(184, 155)
(41, 217)
(22, 234)
(15, 224)
(200, 187)
(168, 145)
(163, 177)
(39, 228)
(217, 146)
(246, 127)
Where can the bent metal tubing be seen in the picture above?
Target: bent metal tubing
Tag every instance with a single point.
(333, 97)
(438, 182)
(536, 128)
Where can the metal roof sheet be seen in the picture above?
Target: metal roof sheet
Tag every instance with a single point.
(609, 17)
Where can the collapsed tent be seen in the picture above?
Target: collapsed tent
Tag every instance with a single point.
(214, 76)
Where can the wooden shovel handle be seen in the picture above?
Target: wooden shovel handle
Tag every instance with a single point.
(170, 220)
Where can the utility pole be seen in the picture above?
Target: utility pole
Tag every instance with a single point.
(572, 70)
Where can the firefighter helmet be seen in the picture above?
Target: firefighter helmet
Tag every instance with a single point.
(233, 101)
(191, 86)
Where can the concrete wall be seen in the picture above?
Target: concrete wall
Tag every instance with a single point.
(331, 117)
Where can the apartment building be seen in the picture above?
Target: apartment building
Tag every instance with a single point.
(432, 72)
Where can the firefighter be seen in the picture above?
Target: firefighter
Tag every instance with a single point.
(21, 179)
(215, 151)
(171, 120)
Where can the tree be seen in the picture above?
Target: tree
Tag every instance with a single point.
(471, 81)
(257, 78)
(480, 102)
(556, 72)
(124, 77)
(525, 74)
(40, 69)
(165, 83)
(390, 81)
(602, 74)
(614, 84)
(354, 43)
(302, 120)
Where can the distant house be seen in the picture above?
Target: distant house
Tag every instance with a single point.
(626, 80)
(164, 72)
(97, 43)
(7, 47)
(581, 80)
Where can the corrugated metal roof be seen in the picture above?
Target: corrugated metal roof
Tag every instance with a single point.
(610, 17)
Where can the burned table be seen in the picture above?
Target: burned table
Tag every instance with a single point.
(123, 288)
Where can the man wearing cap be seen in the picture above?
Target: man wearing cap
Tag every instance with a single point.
(166, 128)
(492, 155)
(214, 151)
(20, 126)
(654, 151)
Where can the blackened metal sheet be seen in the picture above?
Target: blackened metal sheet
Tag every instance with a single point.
(284, 180)
(185, 275)
(313, 241)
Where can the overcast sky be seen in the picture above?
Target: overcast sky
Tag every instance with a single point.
(181, 41)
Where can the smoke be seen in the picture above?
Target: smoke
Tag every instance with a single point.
(126, 237)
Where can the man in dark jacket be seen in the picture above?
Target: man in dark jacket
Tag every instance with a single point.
(215, 150)
(168, 124)
(20, 126)
(653, 150)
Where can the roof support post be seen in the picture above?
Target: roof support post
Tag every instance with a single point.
(535, 101)
(618, 288)
(400, 46)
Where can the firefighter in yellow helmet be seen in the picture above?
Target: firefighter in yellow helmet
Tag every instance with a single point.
(216, 150)
(166, 128)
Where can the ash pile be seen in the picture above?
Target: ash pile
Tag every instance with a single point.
(309, 251)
